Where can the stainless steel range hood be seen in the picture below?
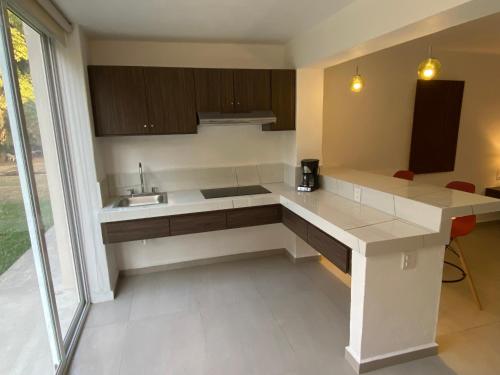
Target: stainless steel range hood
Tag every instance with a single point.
(244, 118)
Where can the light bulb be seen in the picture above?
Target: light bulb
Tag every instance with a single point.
(429, 69)
(356, 83)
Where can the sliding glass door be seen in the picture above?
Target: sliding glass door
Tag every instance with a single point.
(43, 297)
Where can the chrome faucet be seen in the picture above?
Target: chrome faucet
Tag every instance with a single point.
(142, 178)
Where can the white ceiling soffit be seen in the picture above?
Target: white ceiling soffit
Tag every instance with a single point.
(243, 21)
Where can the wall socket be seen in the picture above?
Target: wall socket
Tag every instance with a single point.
(498, 174)
(357, 193)
(409, 260)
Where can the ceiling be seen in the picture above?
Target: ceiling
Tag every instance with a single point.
(479, 36)
(252, 21)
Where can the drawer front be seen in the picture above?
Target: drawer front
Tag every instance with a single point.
(251, 216)
(329, 247)
(295, 223)
(133, 230)
(197, 222)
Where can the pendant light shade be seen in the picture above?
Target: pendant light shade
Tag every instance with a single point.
(357, 82)
(429, 68)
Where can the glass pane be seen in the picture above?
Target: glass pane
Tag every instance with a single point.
(24, 339)
(36, 107)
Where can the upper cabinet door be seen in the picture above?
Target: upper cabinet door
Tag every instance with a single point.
(283, 99)
(118, 100)
(252, 90)
(170, 94)
(208, 86)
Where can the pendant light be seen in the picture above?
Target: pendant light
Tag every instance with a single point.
(357, 82)
(429, 68)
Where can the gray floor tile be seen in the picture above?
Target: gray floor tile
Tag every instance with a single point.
(246, 339)
(169, 344)
(116, 311)
(163, 293)
(99, 350)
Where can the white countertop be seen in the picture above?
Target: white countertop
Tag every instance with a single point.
(363, 228)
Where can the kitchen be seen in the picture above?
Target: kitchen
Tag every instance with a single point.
(226, 219)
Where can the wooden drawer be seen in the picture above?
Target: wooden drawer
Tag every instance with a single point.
(251, 216)
(295, 223)
(197, 222)
(335, 251)
(133, 230)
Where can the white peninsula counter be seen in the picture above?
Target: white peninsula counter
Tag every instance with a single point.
(397, 231)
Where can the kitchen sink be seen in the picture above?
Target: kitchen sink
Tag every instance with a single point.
(141, 200)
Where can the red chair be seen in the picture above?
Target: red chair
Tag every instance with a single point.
(461, 226)
(405, 175)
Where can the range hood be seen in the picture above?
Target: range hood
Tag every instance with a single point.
(244, 118)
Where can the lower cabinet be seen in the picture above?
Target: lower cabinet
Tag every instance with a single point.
(133, 230)
(295, 223)
(197, 222)
(333, 250)
(251, 216)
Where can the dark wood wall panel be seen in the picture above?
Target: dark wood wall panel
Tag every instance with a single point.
(436, 120)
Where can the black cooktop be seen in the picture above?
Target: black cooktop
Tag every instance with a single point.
(234, 191)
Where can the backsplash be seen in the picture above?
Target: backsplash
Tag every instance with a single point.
(199, 178)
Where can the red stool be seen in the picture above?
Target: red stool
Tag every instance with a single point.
(405, 175)
(461, 226)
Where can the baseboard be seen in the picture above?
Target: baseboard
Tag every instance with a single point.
(309, 258)
(390, 359)
(202, 262)
(102, 296)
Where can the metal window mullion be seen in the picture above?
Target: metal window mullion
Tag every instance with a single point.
(22, 148)
(68, 182)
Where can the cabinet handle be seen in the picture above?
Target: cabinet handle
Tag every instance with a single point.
(152, 125)
(232, 103)
(237, 103)
(145, 126)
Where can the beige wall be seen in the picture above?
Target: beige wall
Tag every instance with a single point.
(213, 145)
(372, 130)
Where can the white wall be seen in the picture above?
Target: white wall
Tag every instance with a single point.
(213, 145)
(372, 130)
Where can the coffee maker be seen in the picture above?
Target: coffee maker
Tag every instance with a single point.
(310, 175)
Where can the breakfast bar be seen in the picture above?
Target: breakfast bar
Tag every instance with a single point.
(388, 234)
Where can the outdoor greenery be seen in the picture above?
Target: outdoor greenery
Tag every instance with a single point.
(14, 236)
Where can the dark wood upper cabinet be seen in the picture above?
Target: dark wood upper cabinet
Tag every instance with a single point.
(252, 90)
(157, 100)
(170, 94)
(283, 99)
(232, 90)
(436, 120)
(208, 86)
(118, 100)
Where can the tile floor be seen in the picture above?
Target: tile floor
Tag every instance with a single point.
(270, 316)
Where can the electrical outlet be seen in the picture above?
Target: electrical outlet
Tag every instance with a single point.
(498, 174)
(409, 261)
(357, 194)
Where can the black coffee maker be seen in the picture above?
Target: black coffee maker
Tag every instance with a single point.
(310, 175)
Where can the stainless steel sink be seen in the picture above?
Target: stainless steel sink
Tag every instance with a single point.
(141, 200)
